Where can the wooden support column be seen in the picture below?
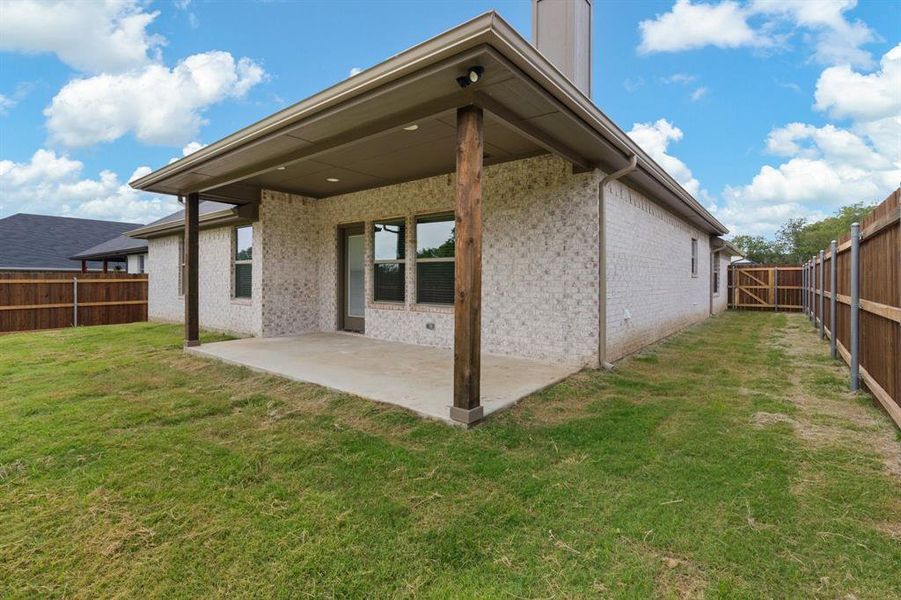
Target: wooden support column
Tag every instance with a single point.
(105, 265)
(84, 266)
(468, 267)
(191, 280)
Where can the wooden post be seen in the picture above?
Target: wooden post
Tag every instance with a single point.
(822, 295)
(854, 342)
(775, 289)
(191, 280)
(84, 266)
(75, 301)
(105, 265)
(468, 267)
(833, 297)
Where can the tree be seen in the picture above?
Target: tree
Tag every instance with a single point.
(797, 240)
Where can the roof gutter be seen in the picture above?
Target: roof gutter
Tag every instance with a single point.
(602, 260)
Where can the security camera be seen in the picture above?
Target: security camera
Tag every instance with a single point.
(472, 76)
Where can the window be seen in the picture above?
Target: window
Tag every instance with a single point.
(389, 267)
(435, 259)
(181, 266)
(716, 273)
(141, 264)
(694, 257)
(244, 262)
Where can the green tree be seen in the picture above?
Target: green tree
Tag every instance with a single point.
(797, 239)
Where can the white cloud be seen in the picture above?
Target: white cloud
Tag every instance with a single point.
(633, 84)
(109, 36)
(159, 105)
(189, 148)
(680, 78)
(6, 104)
(52, 184)
(836, 40)
(843, 92)
(354, 71)
(655, 138)
(688, 26)
(698, 93)
(829, 166)
(761, 24)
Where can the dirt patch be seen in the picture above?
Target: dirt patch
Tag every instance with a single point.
(827, 415)
(763, 419)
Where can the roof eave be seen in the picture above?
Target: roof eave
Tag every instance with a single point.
(487, 28)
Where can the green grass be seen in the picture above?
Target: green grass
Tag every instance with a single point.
(130, 469)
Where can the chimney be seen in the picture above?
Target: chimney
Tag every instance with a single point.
(561, 30)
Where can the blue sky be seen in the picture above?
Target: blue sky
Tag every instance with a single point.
(764, 110)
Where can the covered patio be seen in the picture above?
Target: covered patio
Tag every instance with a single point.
(476, 95)
(417, 378)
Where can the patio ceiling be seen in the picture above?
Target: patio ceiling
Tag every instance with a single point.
(352, 136)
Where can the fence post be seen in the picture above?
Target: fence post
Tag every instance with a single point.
(832, 299)
(75, 302)
(813, 290)
(855, 305)
(822, 295)
(803, 285)
(775, 289)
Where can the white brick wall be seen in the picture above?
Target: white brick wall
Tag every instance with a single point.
(218, 310)
(539, 266)
(721, 299)
(650, 290)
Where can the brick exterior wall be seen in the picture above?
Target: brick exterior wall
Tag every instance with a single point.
(651, 292)
(721, 299)
(218, 309)
(540, 266)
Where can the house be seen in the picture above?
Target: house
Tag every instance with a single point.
(47, 243)
(121, 250)
(465, 194)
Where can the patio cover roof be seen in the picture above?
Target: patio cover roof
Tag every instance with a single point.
(351, 136)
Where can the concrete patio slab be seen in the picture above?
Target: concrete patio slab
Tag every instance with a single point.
(418, 378)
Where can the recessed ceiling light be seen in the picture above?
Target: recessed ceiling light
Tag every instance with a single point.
(412, 127)
(332, 179)
(280, 168)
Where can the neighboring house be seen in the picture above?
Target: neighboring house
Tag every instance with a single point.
(121, 250)
(366, 208)
(45, 243)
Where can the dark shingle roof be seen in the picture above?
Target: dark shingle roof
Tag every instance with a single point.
(42, 242)
(116, 247)
(207, 206)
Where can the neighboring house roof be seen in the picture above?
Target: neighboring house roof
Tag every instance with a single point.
(725, 246)
(210, 214)
(45, 243)
(355, 135)
(116, 248)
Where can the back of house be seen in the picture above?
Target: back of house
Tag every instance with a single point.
(469, 175)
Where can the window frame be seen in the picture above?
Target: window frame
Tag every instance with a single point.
(716, 274)
(433, 217)
(389, 261)
(236, 262)
(694, 257)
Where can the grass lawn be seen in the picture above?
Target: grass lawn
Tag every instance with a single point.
(726, 462)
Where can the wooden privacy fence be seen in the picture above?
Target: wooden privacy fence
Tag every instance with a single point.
(852, 294)
(40, 300)
(765, 287)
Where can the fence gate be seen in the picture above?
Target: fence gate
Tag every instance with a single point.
(757, 287)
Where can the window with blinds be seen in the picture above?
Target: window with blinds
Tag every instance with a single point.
(435, 259)
(243, 285)
(389, 266)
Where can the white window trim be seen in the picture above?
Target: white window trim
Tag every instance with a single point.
(235, 262)
(416, 259)
(694, 257)
(389, 261)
